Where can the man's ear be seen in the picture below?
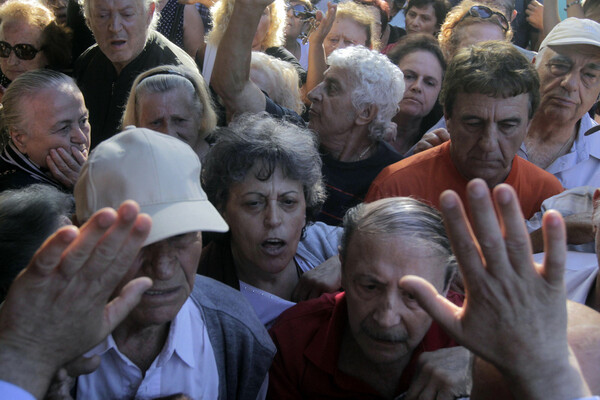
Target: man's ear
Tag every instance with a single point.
(19, 139)
(513, 16)
(366, 115)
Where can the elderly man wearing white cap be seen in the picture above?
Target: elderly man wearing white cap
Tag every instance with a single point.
(569, 67)
(189, 334)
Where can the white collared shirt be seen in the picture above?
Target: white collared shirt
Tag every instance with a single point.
(581, 165)
(186, 364)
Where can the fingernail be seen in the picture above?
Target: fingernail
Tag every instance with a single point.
(477, 189)
(502, 196)
(447, 200)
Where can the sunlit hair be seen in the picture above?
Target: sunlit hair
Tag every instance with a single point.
(363, 17)
(164, 79)
(55, 39)
(403, 217)
(493, 68)
(383, 9)
(440, 8)
(86, 6)
(450, 34)
(13, 116)
(376, 81)
(284, 80)
(221, 14)
(259, 139)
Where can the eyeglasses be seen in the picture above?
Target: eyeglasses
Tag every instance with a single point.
(484, 12)
(300, 11)
(24, 51)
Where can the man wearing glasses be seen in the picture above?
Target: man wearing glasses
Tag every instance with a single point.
(568, 64)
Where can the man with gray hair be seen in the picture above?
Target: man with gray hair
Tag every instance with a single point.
(126, 46)
(373, 341)
(568, 64)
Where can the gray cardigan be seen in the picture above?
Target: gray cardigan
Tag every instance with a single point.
(242, 347)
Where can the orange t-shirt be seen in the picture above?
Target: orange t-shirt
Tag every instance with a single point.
(426, 175)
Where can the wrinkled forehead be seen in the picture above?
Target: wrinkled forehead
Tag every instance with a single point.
(117, 4)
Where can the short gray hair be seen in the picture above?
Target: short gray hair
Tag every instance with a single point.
(377, 81)
(86, 5)
(169, 77)
(400, 216)
(27, 85)
(252, 139)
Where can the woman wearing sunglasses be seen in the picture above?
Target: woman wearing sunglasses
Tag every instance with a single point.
(472, 22)
(30, 39)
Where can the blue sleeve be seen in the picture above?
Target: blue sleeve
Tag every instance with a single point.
(8, 391)
(277, 111)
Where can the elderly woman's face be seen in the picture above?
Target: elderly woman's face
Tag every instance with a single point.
(20, 32)
(54, 118)
(266, 220)
(120, 28)
(262, 30)
(423, 81)
(344, 32)
(171, 113)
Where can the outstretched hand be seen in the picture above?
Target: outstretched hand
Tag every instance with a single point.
(59, 306)
(515, 313)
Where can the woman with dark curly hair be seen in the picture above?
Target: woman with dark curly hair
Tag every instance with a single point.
(30, 39)
(264, 177)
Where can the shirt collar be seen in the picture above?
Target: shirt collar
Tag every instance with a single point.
(179, 341)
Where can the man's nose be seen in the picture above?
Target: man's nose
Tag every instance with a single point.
(163, 261)
(388, 312)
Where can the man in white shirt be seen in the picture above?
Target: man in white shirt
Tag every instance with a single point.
(188, 334)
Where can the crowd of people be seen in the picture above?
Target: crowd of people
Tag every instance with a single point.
(251, 199)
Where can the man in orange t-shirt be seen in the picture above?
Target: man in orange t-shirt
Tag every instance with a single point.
(489, 94)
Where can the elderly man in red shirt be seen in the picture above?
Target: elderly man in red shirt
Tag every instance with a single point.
(373, 340)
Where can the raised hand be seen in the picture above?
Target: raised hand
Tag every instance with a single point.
(515, 311)
(63, 304)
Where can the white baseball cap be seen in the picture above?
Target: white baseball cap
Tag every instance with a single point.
(159, 172)
(573, 31)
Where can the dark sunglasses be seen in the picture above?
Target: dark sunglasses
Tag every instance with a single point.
(300, 11)
(484, 12)
(24, 51)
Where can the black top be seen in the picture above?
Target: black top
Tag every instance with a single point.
(105, 92)
(347, 183)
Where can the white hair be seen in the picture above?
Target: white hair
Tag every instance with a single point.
(86, 5)
(377, 82)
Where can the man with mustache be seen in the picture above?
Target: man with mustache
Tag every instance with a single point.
(373, 340)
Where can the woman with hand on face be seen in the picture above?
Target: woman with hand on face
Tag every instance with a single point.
(30, 39)
(422, 62)
(264, 176)
(172, 100)
(45, 131)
